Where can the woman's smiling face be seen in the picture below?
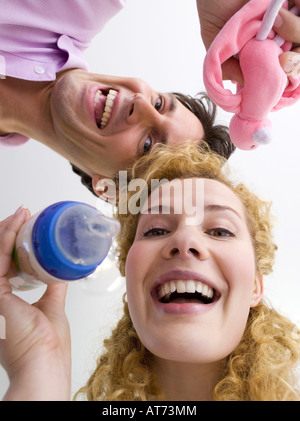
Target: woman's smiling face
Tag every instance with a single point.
(190, 285)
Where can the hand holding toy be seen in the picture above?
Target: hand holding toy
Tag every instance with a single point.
(248, 36)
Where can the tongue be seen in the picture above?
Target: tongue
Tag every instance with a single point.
(181, 300)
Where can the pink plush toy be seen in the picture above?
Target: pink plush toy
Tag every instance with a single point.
(248, 35)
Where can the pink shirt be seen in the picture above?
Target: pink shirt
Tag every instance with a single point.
(37, 40)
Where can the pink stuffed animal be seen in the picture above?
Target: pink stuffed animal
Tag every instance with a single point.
(249, 35)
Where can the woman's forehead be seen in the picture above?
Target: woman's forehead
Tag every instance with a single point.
(197, 191)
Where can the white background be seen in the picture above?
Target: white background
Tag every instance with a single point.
(159, 41)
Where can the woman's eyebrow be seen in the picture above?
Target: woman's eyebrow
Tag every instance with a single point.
(157, 210)
(222, 208)
(167, 210)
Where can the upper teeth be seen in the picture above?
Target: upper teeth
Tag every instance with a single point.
(108, 105)
(181, 286)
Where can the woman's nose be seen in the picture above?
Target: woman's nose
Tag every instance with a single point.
(185, 244)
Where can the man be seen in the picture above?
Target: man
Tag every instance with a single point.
(101, 124)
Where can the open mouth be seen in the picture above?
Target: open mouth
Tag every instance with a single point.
(103, 106)
(186, 291)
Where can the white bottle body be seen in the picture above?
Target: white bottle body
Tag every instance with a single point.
(29, 273)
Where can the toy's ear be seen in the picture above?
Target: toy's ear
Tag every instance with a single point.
(290, 95)
(212, 77)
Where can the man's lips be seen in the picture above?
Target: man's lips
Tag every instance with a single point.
(104, 102)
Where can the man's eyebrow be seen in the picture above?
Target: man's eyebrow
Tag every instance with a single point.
(171, 107)
(173, 102)
(222, 208)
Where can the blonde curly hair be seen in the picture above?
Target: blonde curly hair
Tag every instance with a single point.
(263, 364)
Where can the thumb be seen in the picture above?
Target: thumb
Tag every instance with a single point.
(52, 303)
(287, 25)
(54, 294)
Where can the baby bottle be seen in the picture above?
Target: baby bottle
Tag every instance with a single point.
(64, 242)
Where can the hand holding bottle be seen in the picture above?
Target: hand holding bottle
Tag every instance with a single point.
(36, 350)
(64, 242)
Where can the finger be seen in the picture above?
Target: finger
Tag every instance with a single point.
(231, 71)
(9, 229)
(287, 25)
(290, 62)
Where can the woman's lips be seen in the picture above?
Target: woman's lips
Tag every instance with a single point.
(181, 291)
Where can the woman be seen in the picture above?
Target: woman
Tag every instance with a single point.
(224, 345)
(195, 326)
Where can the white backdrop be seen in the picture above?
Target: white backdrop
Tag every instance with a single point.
(159, 41)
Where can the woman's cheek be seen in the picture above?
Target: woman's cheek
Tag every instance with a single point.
(135, 272)
(135, 262)
(240, 272)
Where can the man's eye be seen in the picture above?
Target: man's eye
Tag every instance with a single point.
(147, 146)
(220, 232)
(158, 104)
(155, 232)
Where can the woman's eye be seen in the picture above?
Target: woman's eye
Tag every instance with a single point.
(147, 146)
(158, 104)
(220, 232)
(155, 232)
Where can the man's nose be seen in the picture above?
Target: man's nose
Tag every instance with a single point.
(141, 111)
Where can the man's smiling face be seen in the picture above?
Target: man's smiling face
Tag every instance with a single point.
(111, 121)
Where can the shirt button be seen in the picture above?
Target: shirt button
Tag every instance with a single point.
(39, 69)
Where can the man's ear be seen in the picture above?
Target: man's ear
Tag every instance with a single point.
(105, 188)
(257, 290)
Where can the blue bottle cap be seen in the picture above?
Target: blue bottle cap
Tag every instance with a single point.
(47, 250)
